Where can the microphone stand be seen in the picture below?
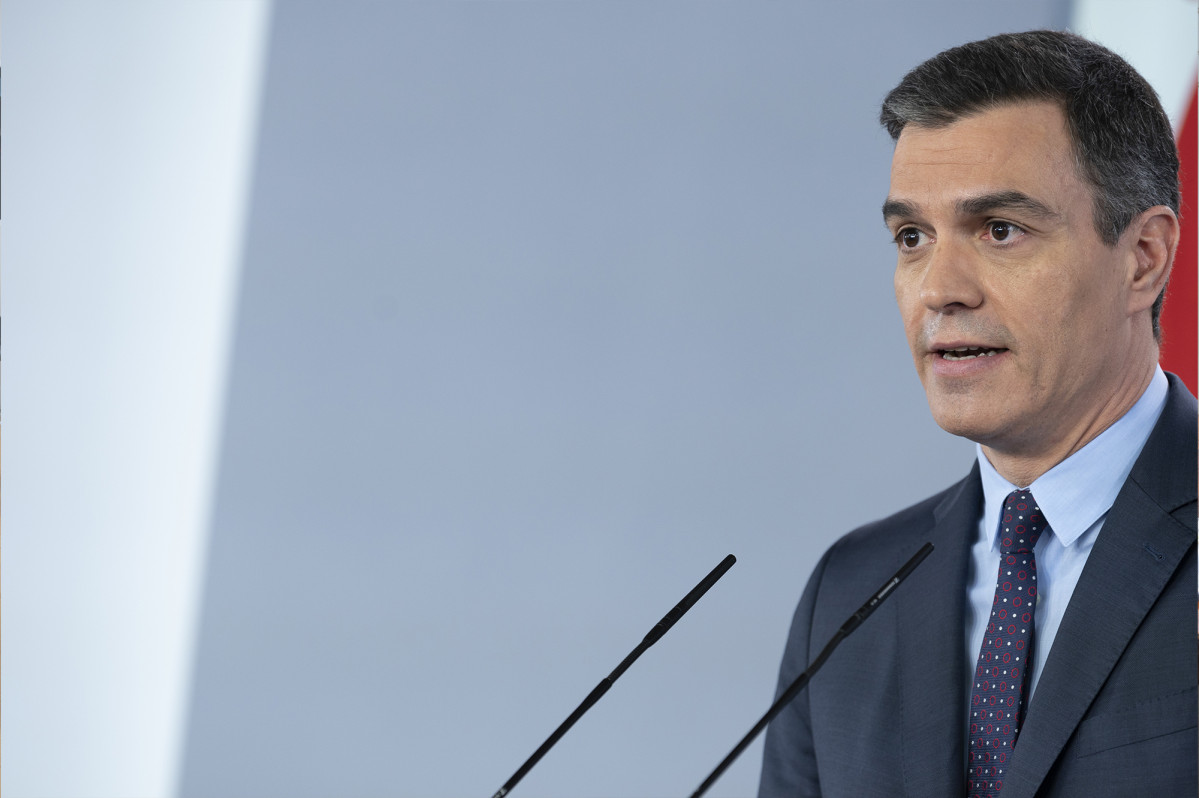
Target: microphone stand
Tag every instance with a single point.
(802, 680)
(653, 636)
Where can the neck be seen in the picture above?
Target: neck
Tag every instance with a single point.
(1022, 465)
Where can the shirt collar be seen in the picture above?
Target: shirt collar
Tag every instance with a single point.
(1078, 491)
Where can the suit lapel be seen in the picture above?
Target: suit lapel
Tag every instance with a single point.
(931, 622)
(1136, 553)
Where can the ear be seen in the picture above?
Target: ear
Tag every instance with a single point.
(1153, 237)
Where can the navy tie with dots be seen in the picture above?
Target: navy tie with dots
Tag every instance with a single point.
(998, 696)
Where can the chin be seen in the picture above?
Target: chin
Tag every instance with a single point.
(963, 423)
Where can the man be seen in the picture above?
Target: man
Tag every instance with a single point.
(1033, 202)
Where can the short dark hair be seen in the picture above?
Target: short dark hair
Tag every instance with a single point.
(1123, 144)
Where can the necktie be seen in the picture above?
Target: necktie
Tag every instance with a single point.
(998, 696)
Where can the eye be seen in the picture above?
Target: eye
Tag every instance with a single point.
(909, 238)
(1003, 232)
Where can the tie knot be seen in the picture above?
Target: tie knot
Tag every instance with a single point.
(1022, 522)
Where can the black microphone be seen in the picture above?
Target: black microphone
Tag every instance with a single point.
(802, 680)
(653, 636)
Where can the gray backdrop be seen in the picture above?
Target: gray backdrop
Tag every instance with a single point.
(545, 308)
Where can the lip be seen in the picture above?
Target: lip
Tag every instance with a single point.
(968, 367)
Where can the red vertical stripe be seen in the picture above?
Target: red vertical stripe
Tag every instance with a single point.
(1180, 335)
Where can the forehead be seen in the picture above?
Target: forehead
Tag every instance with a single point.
(1023, 147)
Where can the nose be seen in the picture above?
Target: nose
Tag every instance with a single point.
(950, 279)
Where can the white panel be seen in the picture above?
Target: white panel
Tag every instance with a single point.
(135, 123)
(1158, 37)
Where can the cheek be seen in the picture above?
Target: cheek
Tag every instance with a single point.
(900, 280)
(907, 298)
(903, 295)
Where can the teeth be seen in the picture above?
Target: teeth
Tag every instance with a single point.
(968, 353)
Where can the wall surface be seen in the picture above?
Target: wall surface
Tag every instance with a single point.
(545, 308)
(380, 372)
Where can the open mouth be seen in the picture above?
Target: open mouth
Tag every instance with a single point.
(969, 352)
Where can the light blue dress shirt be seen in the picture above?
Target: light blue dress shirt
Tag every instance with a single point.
(1074, 497)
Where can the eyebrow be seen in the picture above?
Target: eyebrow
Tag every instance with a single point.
(894, 208)
(977, 206)
(1005, 200)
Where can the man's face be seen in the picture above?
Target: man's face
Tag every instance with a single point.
(1016, 312)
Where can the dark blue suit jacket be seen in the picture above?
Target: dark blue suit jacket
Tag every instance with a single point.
(1115, 709)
